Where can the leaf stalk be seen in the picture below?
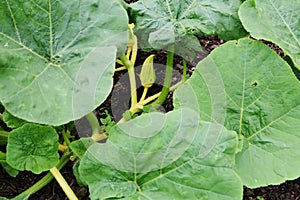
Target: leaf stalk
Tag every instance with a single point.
(63, 183)
(130, 67)
(168, 78)
(140, 105)
(93, 121)
(46, 179)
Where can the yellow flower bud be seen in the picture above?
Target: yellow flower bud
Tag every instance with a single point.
(147, 75)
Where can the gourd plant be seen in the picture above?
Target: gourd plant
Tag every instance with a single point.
(235, 122)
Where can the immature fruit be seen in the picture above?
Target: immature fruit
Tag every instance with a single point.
(147, 75)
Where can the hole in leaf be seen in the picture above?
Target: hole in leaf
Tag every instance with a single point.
(95, 5)
(254, 84)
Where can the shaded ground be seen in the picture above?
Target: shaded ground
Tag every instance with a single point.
(287, 191)
(10, 187)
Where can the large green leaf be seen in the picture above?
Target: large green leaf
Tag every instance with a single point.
(277, 21)
(248, 87)
(163, 156)
(33, 147)
(163, 22)
(12, 121)
(57, 57)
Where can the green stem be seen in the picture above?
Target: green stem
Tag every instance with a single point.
(144, 94)
(119, 62)
(129, 66)
(63, 183)
(46, 179)
(120, 69)
(66, 138)
(1, 116)
(140, 105)
(93, 121)
(168, 78)
(153, 97)
(97, 134)
(99, 137)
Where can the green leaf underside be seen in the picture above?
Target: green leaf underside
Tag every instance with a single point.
(250, 89)
(57, 57)
(163, 22)
(277, 21)
(163, 156)
(33, 147)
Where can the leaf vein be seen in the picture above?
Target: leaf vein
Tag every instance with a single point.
(14, 21)
(50, 31)
(170, 11)
(243, 100)
(25, 47)
(40, 7)
(231, 99)
(33, 81)
(74, 39)
(285, 23)
(259, 97)
(193, 188)
(43, 94)
(183, 164)
(268, 125)
(187, 9)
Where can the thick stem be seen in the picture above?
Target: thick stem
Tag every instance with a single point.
(140, 105)
(128, 52)
(66, 138)
(122, 120)
(134, 50)
(120, 69)
(97, 134)
(119, 61)
(46, 179)
(99, 137)
(93, 121)
(132, 86)
(128, 64)
(168, 78)
(144, 94)
(153, 97)
(63, 183)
